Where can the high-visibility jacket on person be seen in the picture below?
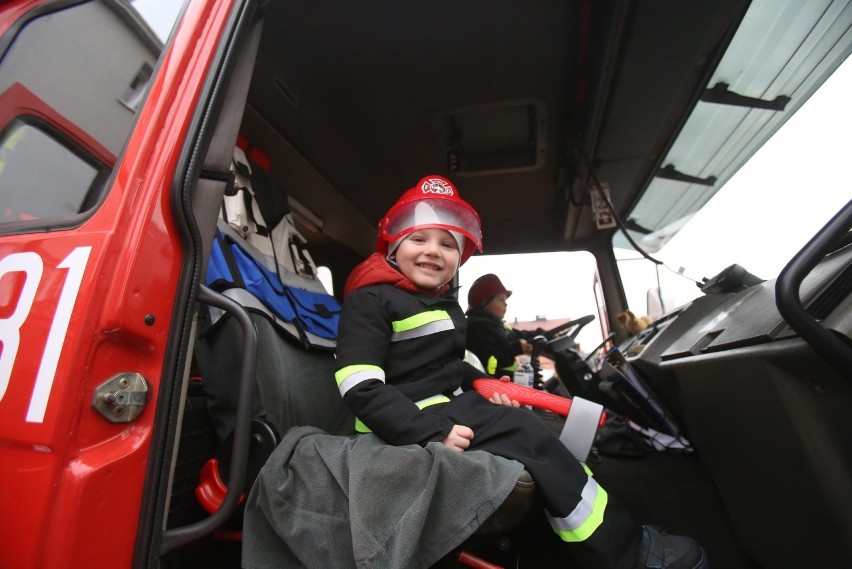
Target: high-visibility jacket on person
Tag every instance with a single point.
(493, 342)
(414, 338)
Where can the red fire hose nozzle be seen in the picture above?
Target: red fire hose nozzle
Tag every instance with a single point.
(527, 396)
(523, 395)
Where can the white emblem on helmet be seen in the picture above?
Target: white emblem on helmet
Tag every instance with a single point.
(436, 186)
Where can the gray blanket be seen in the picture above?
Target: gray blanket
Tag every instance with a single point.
(326, 502)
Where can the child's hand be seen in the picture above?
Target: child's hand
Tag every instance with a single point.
(505, 379)
(503, 399)
(459, 438)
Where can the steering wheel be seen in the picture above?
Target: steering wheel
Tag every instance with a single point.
(554, 340)
(557, 341)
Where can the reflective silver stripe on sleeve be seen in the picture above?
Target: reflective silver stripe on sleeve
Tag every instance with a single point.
(358, 374)
(424, 330)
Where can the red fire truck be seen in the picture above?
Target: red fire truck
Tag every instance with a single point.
(566, 124)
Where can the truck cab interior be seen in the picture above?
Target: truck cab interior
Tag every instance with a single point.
(538, 111)
(569, 125)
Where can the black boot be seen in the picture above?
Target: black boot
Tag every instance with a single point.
(662, 551)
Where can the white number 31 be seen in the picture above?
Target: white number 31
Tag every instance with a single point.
(32, 266)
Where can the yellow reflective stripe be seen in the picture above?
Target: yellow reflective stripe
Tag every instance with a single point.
(360, 427)
(419, 320)
(349, 376)
(491, 368)
(580, 524)
(434, 400)
(422, 324)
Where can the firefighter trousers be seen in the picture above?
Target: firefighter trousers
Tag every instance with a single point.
(599, 530)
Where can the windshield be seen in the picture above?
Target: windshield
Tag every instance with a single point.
(759, 219)
(764, 214)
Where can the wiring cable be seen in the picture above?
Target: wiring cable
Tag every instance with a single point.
(623, 228)
(680, 274)
(619, 222)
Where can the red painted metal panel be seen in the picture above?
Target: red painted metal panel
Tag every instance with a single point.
(71, 489)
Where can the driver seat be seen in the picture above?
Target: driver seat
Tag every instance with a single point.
(293, 382)
(293, 387)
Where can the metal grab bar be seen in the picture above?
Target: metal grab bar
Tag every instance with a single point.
(175, 537)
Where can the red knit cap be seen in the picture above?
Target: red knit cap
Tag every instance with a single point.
(484, 289)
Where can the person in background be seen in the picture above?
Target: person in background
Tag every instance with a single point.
(489, 338)
(400, 369)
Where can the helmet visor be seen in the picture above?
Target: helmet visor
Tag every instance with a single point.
(434, 213)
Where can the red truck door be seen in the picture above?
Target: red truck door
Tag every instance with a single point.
(94, 114)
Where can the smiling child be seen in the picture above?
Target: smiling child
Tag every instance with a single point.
(400, 368)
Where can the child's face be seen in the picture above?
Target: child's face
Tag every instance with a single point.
(498, 305)
(428, 257)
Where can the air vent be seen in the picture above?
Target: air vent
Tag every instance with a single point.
(508, 136)
(824, 304)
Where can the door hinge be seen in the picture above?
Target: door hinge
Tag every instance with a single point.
(121, 398)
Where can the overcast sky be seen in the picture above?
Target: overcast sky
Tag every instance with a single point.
(160, 14)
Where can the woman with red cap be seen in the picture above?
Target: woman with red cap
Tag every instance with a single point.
(400, 368)
(490, 339)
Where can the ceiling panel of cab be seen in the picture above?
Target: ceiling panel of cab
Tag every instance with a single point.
(376, 95)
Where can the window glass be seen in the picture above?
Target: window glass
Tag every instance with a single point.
(31, 191)
(326, 278)
(68, 101)
(764, 214)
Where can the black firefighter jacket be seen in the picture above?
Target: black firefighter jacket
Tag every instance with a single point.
(493, 342)
(395, 349)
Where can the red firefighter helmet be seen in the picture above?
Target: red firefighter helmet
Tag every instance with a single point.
(433, 203)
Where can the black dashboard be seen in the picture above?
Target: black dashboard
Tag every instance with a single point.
(767, 416)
